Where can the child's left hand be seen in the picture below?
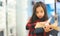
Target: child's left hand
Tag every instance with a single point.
(47, 28)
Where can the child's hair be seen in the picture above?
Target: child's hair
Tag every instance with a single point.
(34, 17)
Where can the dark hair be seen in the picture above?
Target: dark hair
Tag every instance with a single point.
(34, 17)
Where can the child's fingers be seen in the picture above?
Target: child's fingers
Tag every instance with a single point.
(38, 25)
(47, 29)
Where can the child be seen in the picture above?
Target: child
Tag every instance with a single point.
(38, 19)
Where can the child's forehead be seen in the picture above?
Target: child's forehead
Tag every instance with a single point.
(39, 8)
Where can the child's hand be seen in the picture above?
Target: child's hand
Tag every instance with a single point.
(47, 28)
(37, 25)
(40, 24)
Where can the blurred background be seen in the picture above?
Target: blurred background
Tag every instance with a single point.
(7, 17)
(14, 15)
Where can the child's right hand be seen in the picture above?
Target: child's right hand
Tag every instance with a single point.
(37, 25)
(40, 24)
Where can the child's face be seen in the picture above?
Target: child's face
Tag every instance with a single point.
(39, 12)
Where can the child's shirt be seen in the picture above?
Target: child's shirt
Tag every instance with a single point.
(31, 28)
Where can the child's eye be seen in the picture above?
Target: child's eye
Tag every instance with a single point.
(41, 12)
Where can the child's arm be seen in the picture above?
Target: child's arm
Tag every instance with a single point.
(30, 25)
